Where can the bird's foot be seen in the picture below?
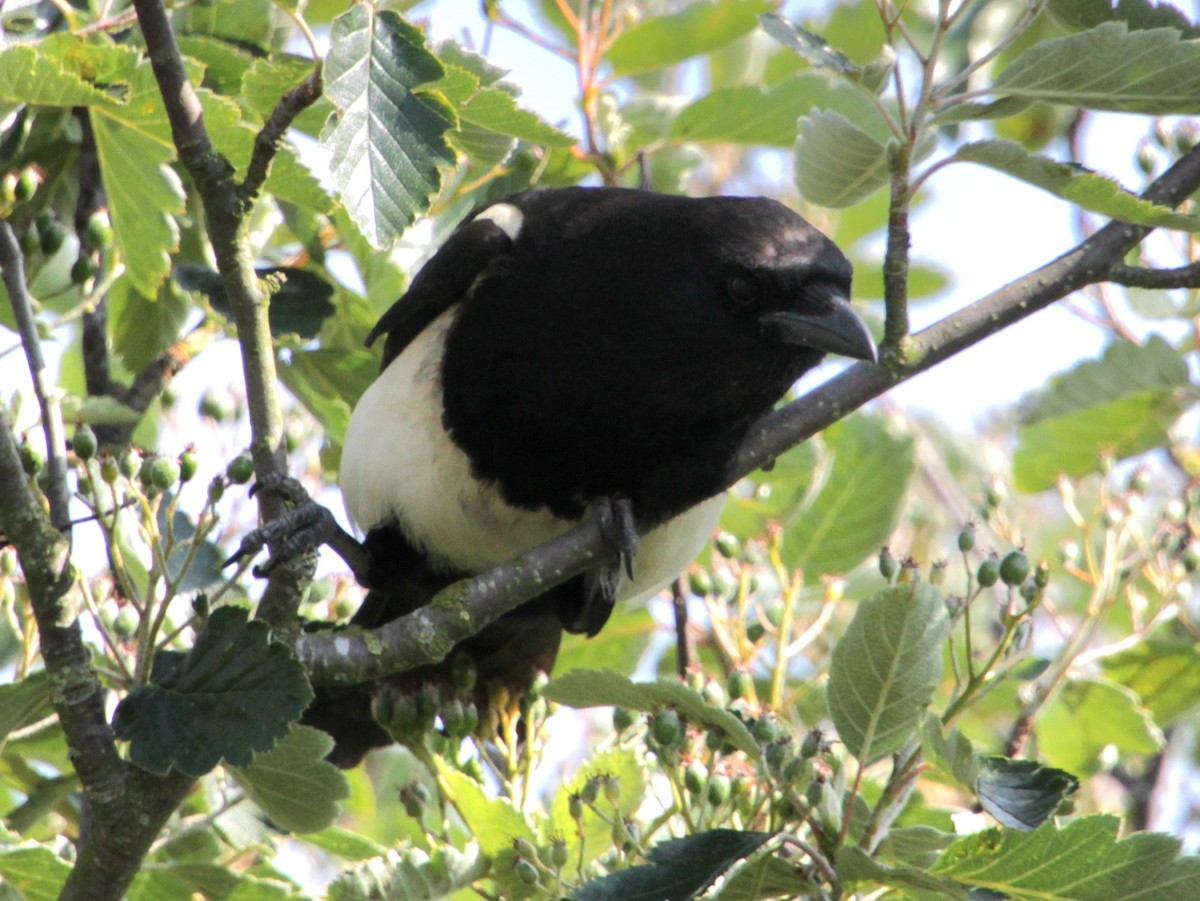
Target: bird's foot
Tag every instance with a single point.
(300, 530)
(615, 515)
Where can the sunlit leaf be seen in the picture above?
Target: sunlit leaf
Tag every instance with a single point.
(410, 874)
(660, 41)
(1086, 716)
(293, 783)
(837, 163)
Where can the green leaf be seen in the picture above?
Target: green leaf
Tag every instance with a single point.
(1077, 15)
(30, 868)
(300, 298)
(623, 767)
(856, 504)
(1109, 68)
(345, 844)
(916, 846)
(1081, 862)
(750, 114)
(24, 702)
(387, 141)
(410, 874)
(812, 48)
(329, 383)
(886, 667)
(133, 145)
(952, 753)
(293, 783)
(27, 76)
(856, 868)
(494, 822)
(771, 495)
(1022, 794)
(234, 693)
(1087, 716)
(1121, 405)
(699, 28)
(1082, 187)
(679, 868)
(144, 327)
(225, 64)
(598, 688)
(621, 644)
(837, 163)
(183, 881)
(1164, 672)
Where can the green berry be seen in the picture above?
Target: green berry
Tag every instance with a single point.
(26, 186)
(728, 546)
(666, 728)
(591, 790)
(559, 853)
(125, 623)
(414, 798)
(713, 694)
(811, 746)
(240, 469)
(989, 572)
(694, 777)
(526, 872)
(463, 672)
(97, 232)
(700, 582)
(216, 489)
(937, 572)
(1041, 574)
(966, 537)
(83, 442)
(611, 788)
(764, 730)
(30, 242)
(575, 807)
(187, 466)
(524, 848)
(755, 631)
(53, 239)
(887, 563)
(82, 269)
(740, 684)
(31, 459)
(622, 719)
(109, 470)
(1014, 568)
(718, 790)
(217, 406)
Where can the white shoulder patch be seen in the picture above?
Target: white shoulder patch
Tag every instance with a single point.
(507, 217)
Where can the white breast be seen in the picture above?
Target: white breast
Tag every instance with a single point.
(399, 463)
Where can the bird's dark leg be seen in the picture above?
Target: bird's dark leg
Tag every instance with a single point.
(304, 528)
(615, 515)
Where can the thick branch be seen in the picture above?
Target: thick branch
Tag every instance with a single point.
(1165, 279)
(467, 606)
(12, 267)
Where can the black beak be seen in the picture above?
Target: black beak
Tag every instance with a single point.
(836, 331)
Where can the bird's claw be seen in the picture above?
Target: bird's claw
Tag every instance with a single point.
(615, 515)
(300, 530)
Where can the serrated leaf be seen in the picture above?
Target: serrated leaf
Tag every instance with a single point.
(134, 149)
(496, 109)
(886, 667)
(27, 76)
(1121, 405)
(1089, 714)
(916, 846)
(623, 767)
(293, 783)
(837, 163)
(600, 688)
(1109, 68)
(661, 41)
(812, 48)
(494, 822)
(234, 693)
(410, 874)
(24, 702)
(951, 753)
(1082, 187)
(183, 881)
(750, 114)
(143, 327)
(32, 869)
(1077, 15)
(855, 507)
(856, 868)
(1081, 862)
(1164, 673)
(387, 141)
(225, 63)
(679, 869)
(1022, 794)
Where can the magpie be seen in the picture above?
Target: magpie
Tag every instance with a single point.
(576, 352)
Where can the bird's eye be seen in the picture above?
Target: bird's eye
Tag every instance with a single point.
(743, 292)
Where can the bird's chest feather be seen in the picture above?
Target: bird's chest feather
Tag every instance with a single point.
(400, 464)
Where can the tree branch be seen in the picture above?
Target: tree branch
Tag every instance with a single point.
(266, 142)
(467, 606)
(226, 205)
(12, 268)
(1141, 277)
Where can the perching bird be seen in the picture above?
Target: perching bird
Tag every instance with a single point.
(569, 351)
